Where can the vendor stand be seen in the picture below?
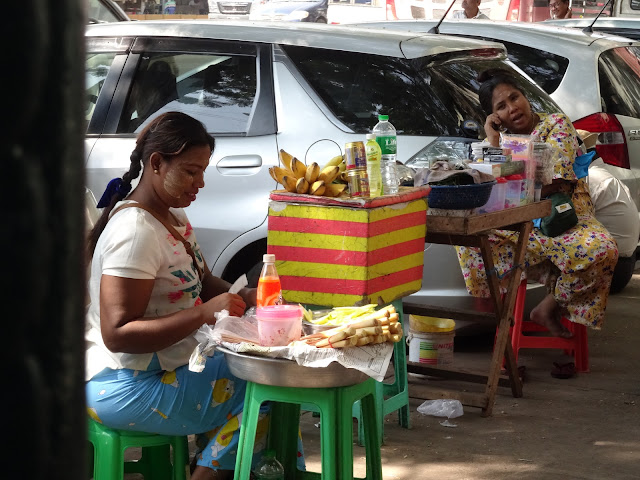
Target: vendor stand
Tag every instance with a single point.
(473, 230)
(352, 251)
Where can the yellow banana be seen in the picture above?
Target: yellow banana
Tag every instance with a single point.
(317, 188)
(298, 168)
(334, 161)
(334, 189)
(302, 186)
(342, 166)
(280, 172)
(272, 172)
(329, 174)
(313, 171)
(285, 158)
(289, 183)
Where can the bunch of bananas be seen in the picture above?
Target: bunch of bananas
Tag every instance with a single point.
(296, 177)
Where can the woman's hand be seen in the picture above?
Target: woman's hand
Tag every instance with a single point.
(231, 302)
(250, 296)
(492, 129)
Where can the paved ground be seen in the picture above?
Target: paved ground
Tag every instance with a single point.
(587, 427)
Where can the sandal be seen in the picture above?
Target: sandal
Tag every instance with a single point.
(565, 370)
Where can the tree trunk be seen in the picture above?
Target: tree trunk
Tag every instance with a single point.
(43, 419)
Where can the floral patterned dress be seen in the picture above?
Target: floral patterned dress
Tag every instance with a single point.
(577, 266)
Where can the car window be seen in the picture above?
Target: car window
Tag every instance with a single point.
(544, 68)
(98, 11)
(619, 74)
(218, 90)
(97, 68)
(422, 96)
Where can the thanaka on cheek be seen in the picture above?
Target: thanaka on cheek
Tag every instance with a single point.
(176, 182)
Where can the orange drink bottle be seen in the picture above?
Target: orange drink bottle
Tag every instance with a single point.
(269, 289)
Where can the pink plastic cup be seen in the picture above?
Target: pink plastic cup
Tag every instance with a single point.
(279, 325)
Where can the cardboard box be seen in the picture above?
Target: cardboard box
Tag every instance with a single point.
(500, 169)
(343, 255)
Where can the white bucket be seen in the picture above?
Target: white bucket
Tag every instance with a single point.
(431, 348)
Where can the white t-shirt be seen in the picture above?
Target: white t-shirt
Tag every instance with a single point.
(460, 14)
(136, 245)
(614, 207)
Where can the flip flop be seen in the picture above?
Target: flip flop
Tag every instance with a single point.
(565, 370)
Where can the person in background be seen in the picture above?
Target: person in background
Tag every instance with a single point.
(559, 9)
(471, 9)
(575, 266)
(617, 211)
(169, 7)
(150, 290)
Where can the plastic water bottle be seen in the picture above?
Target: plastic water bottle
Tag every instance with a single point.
(385, 134)
(269, 289)
(374, 157)
(269, 468)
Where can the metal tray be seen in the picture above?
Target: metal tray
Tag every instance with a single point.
(287, 373)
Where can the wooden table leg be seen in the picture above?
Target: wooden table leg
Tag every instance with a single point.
(504, 312)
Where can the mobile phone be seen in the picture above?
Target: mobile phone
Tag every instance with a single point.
(495, 126)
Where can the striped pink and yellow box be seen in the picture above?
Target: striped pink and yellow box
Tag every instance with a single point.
(340, 256)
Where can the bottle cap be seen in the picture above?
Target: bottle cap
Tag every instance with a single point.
(371, 136)
(383, 118)
(269, 258)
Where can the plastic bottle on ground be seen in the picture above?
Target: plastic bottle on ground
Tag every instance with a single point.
(269, 468)
(269, 289)
(374, 157)
(385, 134)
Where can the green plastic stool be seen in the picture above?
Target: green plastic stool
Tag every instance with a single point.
(336, 422)
(110, 444)
(389, 396)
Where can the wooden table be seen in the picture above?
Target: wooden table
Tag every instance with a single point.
(473, 231)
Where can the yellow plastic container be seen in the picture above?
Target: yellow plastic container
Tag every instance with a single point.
(420, 323)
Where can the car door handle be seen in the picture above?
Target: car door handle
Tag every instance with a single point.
(235, 164)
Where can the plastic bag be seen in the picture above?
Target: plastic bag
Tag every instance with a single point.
(442, 408)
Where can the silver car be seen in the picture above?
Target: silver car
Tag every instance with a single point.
(259, 88)
(593, 77)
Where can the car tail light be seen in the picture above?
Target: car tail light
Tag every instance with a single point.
(391, 10)
(611, 146)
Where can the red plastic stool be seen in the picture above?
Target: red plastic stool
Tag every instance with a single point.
(578, 345)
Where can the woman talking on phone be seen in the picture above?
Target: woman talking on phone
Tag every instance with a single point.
(575, 266)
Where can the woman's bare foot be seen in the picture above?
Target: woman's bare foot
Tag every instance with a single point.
(547, 314)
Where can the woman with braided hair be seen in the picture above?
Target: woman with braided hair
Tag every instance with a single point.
(150, 290)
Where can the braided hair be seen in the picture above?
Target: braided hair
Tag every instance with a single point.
(168, 134)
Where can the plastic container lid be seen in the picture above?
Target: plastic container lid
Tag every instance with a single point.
(514, 177)
(383, 118)
(279, 312)
(269, 258)
(501, 180)
(371, 136)
(425, 324)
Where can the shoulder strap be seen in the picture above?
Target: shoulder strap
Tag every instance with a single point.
(172, 231)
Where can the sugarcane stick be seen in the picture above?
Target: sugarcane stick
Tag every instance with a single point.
(334, 339)
(363, 341)
(366, 331)
(347, 342)
(396, 337)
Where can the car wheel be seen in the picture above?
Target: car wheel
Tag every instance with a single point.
(321, 20)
